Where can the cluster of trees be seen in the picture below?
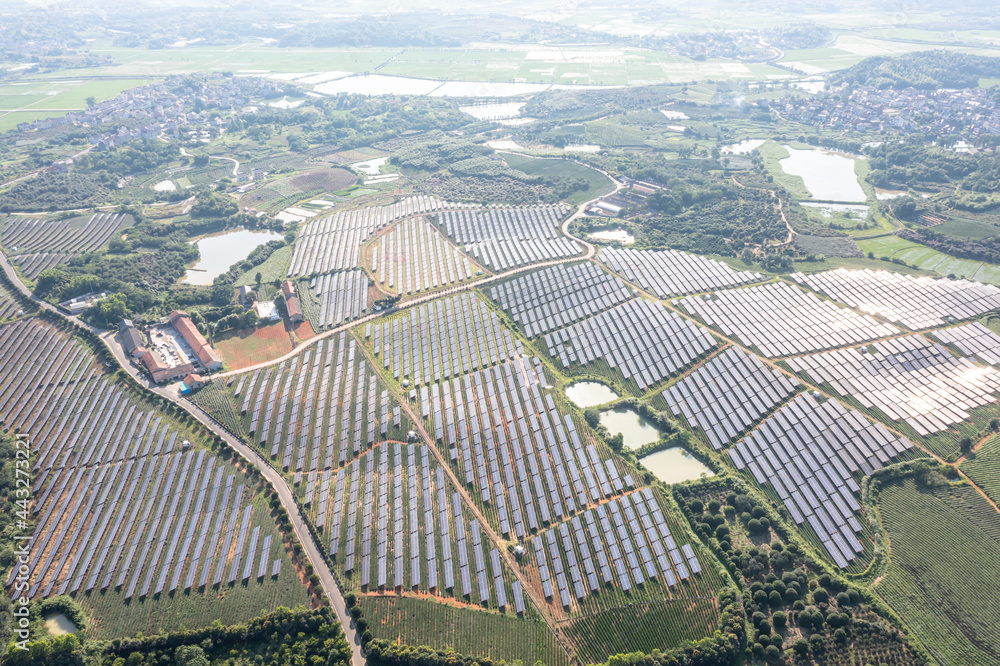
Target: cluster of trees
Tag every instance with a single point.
(924, 70)
(54, 191)
(782, 584)
(300, 636)
(986, 249)
(439, 154)
(912, 165)
(131, 159)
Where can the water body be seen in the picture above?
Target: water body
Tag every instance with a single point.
(675, 465)
(636, 430)
(827, 175)
(589, 394)
(619, 235)
(744, 147)
(59, 624)
(222, 250)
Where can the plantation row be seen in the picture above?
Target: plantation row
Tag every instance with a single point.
(313, 412)
(983, 467)
(494, 635)
(943, 579)
(642, 627)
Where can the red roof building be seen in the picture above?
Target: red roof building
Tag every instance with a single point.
(208, 357)
(292, 301)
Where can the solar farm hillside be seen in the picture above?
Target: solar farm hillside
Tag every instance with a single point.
(500, 335)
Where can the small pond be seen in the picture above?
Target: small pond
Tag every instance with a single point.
(675, 465)
(828, 176)
(59, 624)
(589, 394)
(636, 430)
(222, 250)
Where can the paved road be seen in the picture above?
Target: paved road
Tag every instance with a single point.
(277, 481)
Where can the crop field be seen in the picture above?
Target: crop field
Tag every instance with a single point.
(326, 401)
(249, 346)
(481, 633)
(641, 627)
(928, 259)
(597, 183)
(129, 514)
(29, 100)
(967, 229)
(272, 269)
(944, 573)
(983, 467)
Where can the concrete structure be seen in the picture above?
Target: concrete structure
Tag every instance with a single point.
(77, 305)
(266, 311)
(292, 301)
(207, 356)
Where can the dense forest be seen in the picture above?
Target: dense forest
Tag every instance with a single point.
(969, 182)
(924, 70)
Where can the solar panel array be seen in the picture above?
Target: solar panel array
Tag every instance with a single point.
(342, 297)
(559, 295)
(9, 307)
(394, 522)
(39, 244)
(514, 446)
(443, 338)
(640, 338)
(908, 379)
(780, 320)
(728, 394)
(973, 340)
(414, 257)
(334, 243)
(507, 237)
(672, 273)
(119, 503)
(70, 237)
(812, 454)
(624, 542)
(914, 302)
(316, 410)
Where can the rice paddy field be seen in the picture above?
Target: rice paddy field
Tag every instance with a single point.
(943, 572)
(24, 101)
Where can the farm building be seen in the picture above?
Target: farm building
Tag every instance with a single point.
(160, 371)
(266, 311)
(206, 355)
(131, 338)
(292, 301)
(241, 293)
